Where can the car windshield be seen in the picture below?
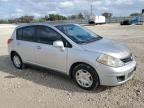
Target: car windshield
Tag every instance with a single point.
(78, 33)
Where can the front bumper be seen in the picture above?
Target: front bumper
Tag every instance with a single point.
(112, 76)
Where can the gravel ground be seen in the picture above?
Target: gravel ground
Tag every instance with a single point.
(39, 88)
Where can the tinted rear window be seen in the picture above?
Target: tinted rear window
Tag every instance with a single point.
(28, 34)
(19, 34)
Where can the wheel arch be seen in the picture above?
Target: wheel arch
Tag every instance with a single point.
(12, 52)
(75, 64)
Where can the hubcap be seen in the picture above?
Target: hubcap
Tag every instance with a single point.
(84, 78)
(16, 61)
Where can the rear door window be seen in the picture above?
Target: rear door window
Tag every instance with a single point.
(29, 34)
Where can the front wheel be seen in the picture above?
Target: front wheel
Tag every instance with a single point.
(86, 77)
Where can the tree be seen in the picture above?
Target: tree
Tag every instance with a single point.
(3, 21)
(86, 14)
(135, 14)
(13, 20)
(107, 14)
(72, 17)
(80, 16)
(76, 16)
(26, 19)
(46, 17)
(22, 19)
(53, 17)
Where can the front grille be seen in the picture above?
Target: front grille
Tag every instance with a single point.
(128, 59)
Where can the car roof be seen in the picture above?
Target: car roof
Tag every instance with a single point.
(45, 24)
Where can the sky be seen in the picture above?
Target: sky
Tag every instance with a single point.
(39, 8)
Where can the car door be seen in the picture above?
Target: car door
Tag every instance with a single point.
(26, 43)
(47, 55)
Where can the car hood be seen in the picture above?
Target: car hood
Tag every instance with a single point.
(108, 47)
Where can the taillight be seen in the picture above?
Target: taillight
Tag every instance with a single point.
(9, 41)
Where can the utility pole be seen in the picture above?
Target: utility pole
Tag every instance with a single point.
(91, 8)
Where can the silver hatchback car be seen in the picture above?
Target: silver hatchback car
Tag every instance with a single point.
(86, 57)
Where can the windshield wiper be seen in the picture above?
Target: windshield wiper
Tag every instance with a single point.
(94, 39)
(99, 38)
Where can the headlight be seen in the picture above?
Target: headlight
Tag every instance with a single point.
(110, 61)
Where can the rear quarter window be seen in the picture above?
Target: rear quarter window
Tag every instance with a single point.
(19, 34)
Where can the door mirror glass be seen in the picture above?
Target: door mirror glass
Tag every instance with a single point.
(58, 44)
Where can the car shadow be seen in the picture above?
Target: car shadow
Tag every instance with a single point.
(43, 77)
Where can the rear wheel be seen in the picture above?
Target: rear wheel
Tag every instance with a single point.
(86, 77)
(17, 61)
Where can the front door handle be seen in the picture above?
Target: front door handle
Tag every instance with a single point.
(38, 47)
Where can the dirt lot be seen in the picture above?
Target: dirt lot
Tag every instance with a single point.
(38, 88)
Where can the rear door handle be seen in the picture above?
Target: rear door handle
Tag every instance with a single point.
(38, 47)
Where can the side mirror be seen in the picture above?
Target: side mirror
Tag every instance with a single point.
(58, 44)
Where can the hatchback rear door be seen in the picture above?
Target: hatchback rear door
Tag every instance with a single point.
(26, 43)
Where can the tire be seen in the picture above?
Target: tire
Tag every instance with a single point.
(17, 61)
(86, 77)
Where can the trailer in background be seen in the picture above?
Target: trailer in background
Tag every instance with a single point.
(97, 20)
